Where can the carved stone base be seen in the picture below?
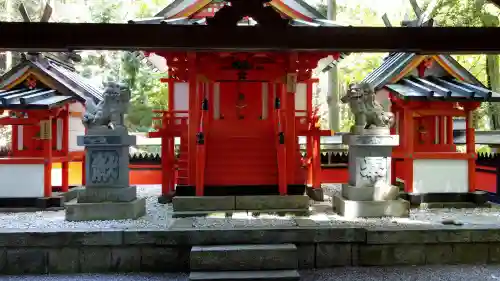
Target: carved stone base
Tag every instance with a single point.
(100, 194)
(370, 209)
(106, 210)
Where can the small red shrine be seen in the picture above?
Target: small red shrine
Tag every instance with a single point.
(43, 99)
(239, 115)
(426, 93)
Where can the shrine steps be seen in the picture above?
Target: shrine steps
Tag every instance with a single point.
(244, 262)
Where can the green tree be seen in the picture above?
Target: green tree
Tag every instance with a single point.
(476, 13)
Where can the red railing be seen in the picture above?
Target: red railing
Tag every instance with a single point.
(168, 128)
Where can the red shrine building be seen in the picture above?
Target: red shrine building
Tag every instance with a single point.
(426, 93)
(239, 114)
(43, 100)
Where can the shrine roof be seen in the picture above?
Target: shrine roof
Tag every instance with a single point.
(397, 63)
(38, 98)
(62, 76)
(441, 88)
(187, 8)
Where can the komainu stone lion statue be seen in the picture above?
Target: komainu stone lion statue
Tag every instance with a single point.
(110, 112)
(368, 113)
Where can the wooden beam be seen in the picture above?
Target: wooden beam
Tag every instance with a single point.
(156, 37)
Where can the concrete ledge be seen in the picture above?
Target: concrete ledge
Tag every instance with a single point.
(106, 210)
(371, 209)
(256, 202)
(205, 203)
(279, 212)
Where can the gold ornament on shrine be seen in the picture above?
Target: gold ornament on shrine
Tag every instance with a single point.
(45, 130)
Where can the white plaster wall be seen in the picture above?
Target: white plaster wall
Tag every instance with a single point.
(21, 181)
(76, 107)
(76, 129)
(301, 99)
(382, 97)
(440, 176)
(181, 97)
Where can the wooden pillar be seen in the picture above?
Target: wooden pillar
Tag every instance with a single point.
(201, 139)
(165, 156)
(46, 136)
(14, 140)
(470, 142)
(192, 119)
(84, 165)
(281, 142)
(291, 134)
(409, 138)
(309, 142)
(443, 137)
(65, 149)
(449, 130)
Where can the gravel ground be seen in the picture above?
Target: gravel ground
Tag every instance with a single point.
(426, 273)
(159, 216)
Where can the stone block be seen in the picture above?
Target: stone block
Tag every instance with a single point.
(63, 260)
(26, 261)
(375, 255)
(357, 193)
(54, 238)
(470, 253)
(331, 255)
(264, 275)
(106, 210)
(205, 203)
(439, 254)
(102, 194)
(3, 260)
(494, 253)
(271, 202)
(244, 257)
(407, 254)
(486, 235)
(306, 254)
(371, 209)
(164, 259)
(125, 259)
(95, 259)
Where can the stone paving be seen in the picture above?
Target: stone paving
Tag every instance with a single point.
(159, 216)
(424, 273)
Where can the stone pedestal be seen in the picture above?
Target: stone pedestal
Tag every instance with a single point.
(107, 194)
(369, 192)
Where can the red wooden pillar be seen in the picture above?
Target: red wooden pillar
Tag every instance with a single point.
(409, 137)
(449, 130)
(84, 165)
(316, 161)
(309, 142)
(201, 140)
(46, 135)
(470, 143)
(442, 130)
(291, 142)
(192, 119)
(165, 156)
(14, 140)
(281, 142)
(171, 140)
(65, 149)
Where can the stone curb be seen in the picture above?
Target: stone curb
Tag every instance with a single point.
(292, 234)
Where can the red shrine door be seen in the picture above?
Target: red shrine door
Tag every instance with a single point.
(240, 143)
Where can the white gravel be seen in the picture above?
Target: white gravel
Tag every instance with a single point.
(159, 216)
(413, 273)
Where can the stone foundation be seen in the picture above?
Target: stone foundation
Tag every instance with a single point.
(371, 209)
(39, 252)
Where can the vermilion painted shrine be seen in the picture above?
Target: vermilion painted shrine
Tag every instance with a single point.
(241, 135)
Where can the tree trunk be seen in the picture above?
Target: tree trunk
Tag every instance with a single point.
(492, 72)
(333, 81)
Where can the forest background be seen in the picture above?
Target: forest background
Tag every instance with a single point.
(148, 93)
